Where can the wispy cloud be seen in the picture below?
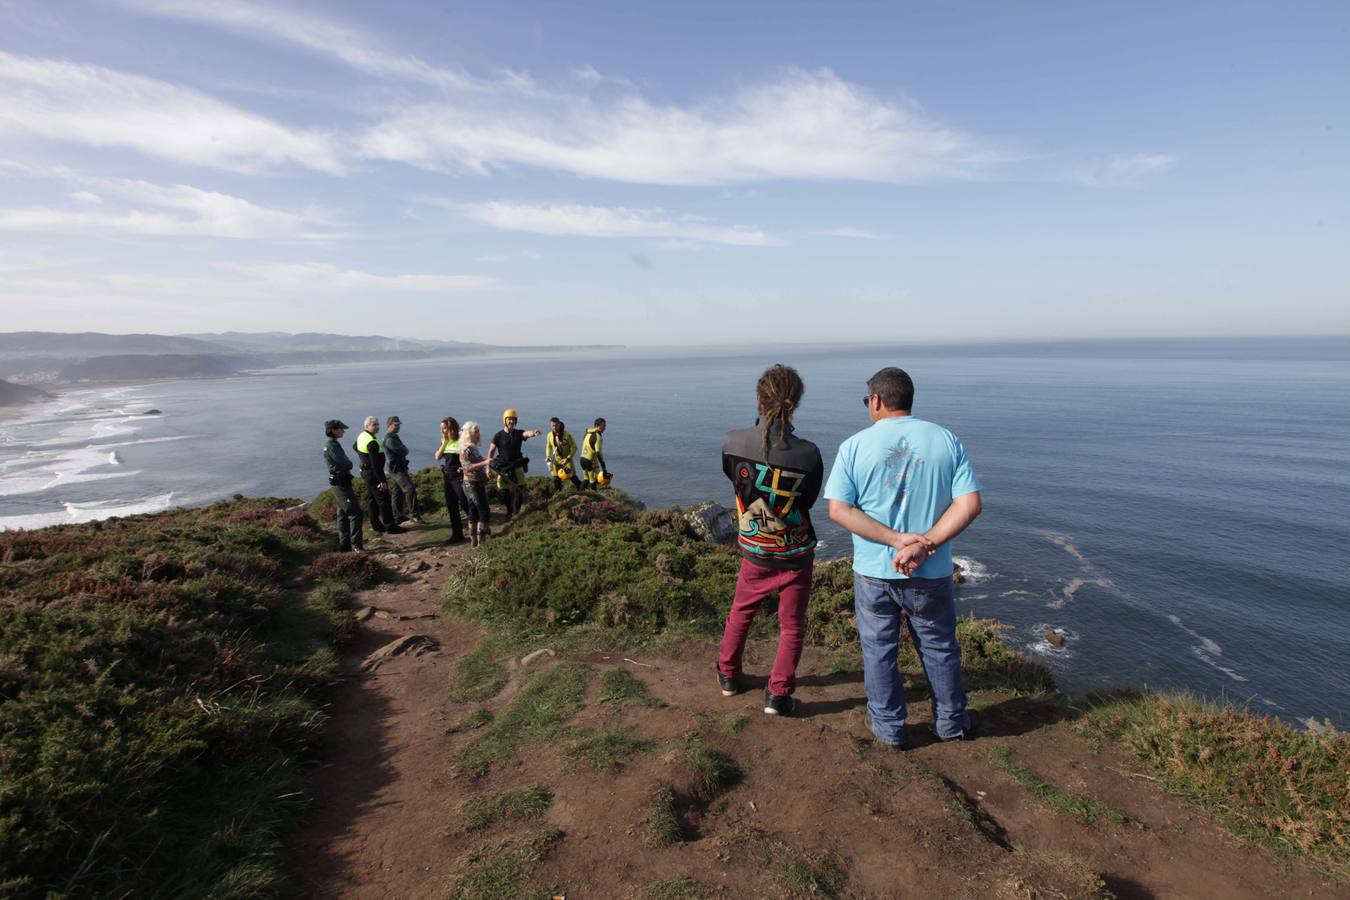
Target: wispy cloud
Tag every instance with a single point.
(1121, 170)
(316, 277)
(101, 107)
(603, 221)
(127, 206)
(802, 126)
(858, 233)
(320, 36)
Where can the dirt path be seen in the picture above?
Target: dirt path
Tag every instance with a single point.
(819, 804)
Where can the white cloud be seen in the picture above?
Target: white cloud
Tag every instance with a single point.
(323, 37)
(65, 101)
(162, 210)
(859, 233)
(602, 221)
(1121, 170)
(327, 278)
(803, 126)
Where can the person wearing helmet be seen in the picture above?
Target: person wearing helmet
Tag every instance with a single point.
(371, 454)
(508, 459)
(593, 455)
(403, 496)
(344, 498)
(560, 447)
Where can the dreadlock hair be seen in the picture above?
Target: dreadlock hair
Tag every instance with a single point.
(778, 390)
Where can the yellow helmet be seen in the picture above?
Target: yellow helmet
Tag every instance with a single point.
(563, 473)
(602, 478)
(509, 414)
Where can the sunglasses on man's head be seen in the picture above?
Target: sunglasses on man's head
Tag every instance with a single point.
(867, 401)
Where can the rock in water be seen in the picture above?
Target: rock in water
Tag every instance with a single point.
(713, 523)
(152, 412)
(1055, 638)
(958, 577)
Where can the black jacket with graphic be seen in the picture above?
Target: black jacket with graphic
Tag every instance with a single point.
(774, 496)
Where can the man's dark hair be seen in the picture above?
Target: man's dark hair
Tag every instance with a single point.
(598, 423)
(894, 387)
(556, 421)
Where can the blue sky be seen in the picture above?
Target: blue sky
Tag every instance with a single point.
(676, 173)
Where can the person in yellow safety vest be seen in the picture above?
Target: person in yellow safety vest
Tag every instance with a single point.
(560, 447)
(593, 455)
(371, 454)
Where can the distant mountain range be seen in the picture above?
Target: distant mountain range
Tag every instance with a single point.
(55, 357)
(16, 394)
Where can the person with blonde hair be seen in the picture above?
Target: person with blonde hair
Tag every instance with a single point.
(777, 477)
(474, 466)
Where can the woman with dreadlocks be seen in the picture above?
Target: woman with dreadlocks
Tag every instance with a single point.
(777, 477)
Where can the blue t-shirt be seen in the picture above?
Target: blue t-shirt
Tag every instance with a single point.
(903, 472)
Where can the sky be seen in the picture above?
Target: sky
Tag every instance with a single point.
(666, 173)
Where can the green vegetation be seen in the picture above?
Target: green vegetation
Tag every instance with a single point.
(1282, 788)
(472, 720)
(818, 875)
(729, 724)
(661, 825)
(478, 674)
(495, 872)
(623, 687)
(1087, 810)
(535, 715)
(672, 889)
(714, 771)
(506, 806)
(607, 751)
(159, 678)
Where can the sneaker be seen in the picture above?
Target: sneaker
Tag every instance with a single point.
(968, 735)
(358, 549)
(775, 705)
(729, 685)
(395, 529)
(418, 520)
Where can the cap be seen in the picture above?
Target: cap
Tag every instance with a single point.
(334, 423)
(393, 419)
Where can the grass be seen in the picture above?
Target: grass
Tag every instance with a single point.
(606, 751)
(536, 715)
(728, 724)
(817, 875)
(160, 678)
(478, 674)
(472, 720)
(1088, 810)
(672, 889)
(506, 806)
(496, 871)
(1281, 788)
(714, 771)
(661, 825)
(623, 687)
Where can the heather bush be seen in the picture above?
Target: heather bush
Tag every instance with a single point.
(158, 680)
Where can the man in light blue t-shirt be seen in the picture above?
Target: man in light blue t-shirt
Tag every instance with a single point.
(905, 488)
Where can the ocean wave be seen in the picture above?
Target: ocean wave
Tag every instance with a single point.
(1041, 646)
(78, 513)
(974, 571)
(1207, 651)
(1066, 593)
(64, 479)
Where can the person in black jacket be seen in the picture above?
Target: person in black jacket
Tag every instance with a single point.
(452, 477)
(344, 498)
(371, 454)
(777, 477)
(403, 495)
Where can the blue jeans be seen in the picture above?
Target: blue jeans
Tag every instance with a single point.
(930, 607)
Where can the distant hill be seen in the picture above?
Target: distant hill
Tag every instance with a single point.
(45, 356)
(134, 366)
(15, 394)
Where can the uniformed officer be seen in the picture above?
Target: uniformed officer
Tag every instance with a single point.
(371, 454)
(344, 498)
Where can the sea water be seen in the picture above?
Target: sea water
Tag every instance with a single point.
(1181, 521)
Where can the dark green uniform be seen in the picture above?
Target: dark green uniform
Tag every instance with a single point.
(403, 494)
(349, 518)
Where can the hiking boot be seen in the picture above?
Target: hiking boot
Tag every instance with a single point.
(730, 686)
(456, 539)
(358, 549)
(968, 735)
(417, 520)
(774, 705)
(395, 529)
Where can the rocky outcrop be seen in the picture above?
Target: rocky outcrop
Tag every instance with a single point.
(712, 522)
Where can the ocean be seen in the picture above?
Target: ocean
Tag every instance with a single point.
(1177, 514)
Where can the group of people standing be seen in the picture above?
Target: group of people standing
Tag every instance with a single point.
(465, 470)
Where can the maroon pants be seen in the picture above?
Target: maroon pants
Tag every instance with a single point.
(754, 583)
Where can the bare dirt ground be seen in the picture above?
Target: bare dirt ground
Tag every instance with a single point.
(820, 807)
